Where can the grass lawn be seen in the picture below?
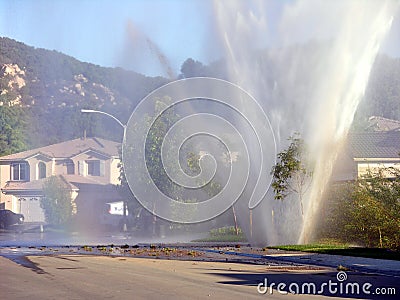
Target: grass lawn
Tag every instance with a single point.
(229, 238)
(342, 249)
(224, 234)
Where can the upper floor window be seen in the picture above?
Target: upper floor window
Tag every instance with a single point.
(19, 171)
(41, 170)
(91, 168)
(70, 167)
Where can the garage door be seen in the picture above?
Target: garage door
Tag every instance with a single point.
(30, 208)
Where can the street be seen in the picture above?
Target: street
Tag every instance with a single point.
(48, 266)
(95, 277)
(85, 276)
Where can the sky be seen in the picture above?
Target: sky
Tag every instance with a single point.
(119, 32)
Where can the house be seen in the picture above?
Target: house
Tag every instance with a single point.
(367, 151)
(383, 124)
(88, 166)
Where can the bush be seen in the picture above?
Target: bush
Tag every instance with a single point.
(56, 203)
(365, 212)
(224, 234)
(222, 231)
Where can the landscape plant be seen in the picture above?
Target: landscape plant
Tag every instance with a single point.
(365, 212)
(291, 173)
(56, 202)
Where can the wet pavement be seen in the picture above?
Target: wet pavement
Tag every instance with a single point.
(150, 271)
(26, 247)
(29, 240)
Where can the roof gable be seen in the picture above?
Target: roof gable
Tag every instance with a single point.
(41, 156)
(69, 149)
(94, 153)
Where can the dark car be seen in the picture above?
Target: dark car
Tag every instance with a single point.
(8, 218)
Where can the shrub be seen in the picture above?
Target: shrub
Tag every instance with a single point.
(366, 211)
(56, 203)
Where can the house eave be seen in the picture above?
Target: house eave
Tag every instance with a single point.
(376, 159)
(8, 161)
(22, 192)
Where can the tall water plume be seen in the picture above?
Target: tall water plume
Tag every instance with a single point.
(311, 80)
(141, 52)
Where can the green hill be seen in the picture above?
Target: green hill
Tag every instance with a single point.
(47, 89)
(42, 92)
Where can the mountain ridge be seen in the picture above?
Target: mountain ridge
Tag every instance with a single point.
(42, 92)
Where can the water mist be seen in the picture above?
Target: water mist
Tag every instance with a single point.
(311, 80)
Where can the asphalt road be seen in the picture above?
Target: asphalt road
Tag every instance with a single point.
(96, 277)
(105, 277)
(34, 273)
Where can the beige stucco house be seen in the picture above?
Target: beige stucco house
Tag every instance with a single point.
(89, 166)
(367, 152)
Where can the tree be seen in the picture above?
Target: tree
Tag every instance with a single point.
(335, 216)
(130, 202)
(291, 173)
(154, 162)
(375, 208)
(57, 202)
(154, 141)
(13, 123)
(213, 187)
(192, 68)
(383, 91)
(366, 211)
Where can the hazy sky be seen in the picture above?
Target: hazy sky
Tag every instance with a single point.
(118, 32)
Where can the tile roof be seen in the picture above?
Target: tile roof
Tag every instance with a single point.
(34, 185)
(69, 149)
(79, 179)
(383, 124)
(73, 181)
(383, 144)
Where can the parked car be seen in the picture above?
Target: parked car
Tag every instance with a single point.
(8, 218)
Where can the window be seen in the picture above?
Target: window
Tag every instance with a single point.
(41, 170)
(70, 167)
(95, 167)
(19, 171)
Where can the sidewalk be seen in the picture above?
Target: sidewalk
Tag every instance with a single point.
(362, 264)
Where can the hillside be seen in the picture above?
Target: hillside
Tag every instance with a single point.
(49, 88)
(55, 79)
(42, 92)
(382, 97)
